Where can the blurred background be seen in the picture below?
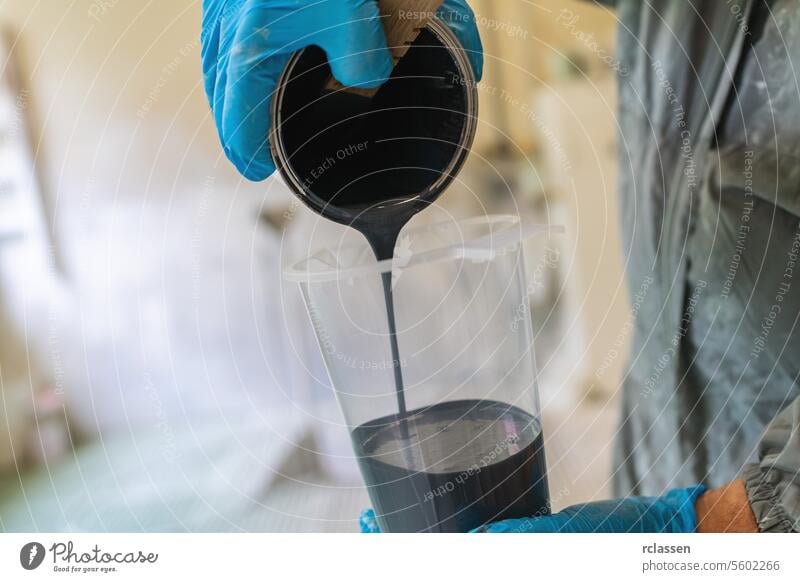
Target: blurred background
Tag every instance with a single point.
(156, 373)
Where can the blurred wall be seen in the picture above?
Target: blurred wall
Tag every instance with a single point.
(112, 80)
(174, 306)
(528, 45)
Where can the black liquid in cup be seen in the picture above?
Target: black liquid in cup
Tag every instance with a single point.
(454, 466)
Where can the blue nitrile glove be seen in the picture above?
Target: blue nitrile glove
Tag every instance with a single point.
(247, 43)
(672, 513)
(368, 523)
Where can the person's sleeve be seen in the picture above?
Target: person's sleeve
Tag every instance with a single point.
(773, 484)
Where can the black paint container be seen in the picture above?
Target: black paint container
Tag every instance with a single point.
(373, 162)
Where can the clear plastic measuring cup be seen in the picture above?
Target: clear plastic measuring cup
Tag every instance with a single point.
(453, 440)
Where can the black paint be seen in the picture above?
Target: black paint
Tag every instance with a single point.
(373, 163)
(454, 466)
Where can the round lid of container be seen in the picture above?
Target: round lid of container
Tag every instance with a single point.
(343, 153)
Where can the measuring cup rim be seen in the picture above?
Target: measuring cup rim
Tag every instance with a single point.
(513, 230)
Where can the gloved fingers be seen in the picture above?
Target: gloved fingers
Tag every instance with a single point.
(368, 523)
(355, 44)
(259, 39)
(245, 117)
(459, 17)
(674, 512)
(216, 52)
(266, 34)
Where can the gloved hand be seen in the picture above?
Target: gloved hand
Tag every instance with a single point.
(367, 522)
(247, 43)
(672, 513)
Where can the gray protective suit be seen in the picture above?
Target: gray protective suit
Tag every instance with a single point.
(710, 187)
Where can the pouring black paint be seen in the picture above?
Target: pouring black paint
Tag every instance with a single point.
(372, 163)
